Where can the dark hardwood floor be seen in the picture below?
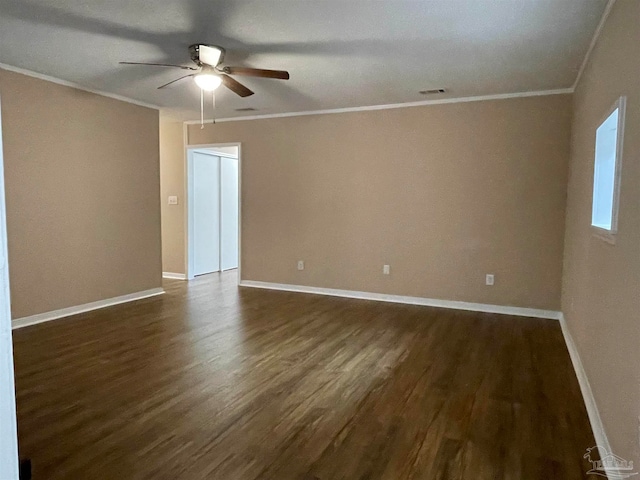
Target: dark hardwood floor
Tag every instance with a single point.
(214, 382)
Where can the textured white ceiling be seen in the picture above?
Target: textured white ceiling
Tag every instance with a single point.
(340, 53)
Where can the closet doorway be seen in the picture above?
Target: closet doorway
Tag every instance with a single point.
(213, 204)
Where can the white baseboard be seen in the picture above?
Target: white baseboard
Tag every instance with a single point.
(87, 307)
(587, 394)
(174, 276)
(430, 302)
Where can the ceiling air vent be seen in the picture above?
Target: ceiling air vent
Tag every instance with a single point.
(433, 91)
(246, 109)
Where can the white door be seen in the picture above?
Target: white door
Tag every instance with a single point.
(229, 213)
(206, 213)
(8, 430)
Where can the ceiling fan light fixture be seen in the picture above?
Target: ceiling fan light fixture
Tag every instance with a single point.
(209, 74)
(207, 81)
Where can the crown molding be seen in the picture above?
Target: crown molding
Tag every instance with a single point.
(594, 40)
(65, 83)
(389, 106)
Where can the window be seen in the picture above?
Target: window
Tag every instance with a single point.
(606, 172)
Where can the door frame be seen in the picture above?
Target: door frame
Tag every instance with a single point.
(188, 211)
(8, 423)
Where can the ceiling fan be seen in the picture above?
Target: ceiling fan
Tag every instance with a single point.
(209, 74)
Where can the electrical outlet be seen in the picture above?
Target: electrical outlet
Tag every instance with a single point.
(173, 200)
(300, 264)
(490, 280)
(386, 269)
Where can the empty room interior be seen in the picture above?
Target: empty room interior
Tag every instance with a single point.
(320, 239)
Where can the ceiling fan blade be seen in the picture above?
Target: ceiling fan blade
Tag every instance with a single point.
(257, 72)
(158, 65)
(174, 81)
(235, 86)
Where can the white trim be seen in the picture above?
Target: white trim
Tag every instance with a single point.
(87, 307)
(174, 276)
(77, 86)
(592, 45)
(430, 302)
(480, 98)
(185, 203)
(8, 425)
(213, 153)
(189, 203)
(214, 145)
(239, 212)
(587, 394)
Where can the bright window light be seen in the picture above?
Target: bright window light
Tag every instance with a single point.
(606, 174)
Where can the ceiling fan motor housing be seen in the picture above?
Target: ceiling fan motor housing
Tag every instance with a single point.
(194, 52)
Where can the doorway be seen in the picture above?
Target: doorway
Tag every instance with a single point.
(213, 208)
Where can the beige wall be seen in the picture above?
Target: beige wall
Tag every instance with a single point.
(601, 298)
(172, 183)
(444, 194)
(83, 216)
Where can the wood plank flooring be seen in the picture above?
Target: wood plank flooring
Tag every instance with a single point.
(215, 382)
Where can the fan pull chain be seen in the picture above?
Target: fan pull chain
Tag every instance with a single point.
(201, 109)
